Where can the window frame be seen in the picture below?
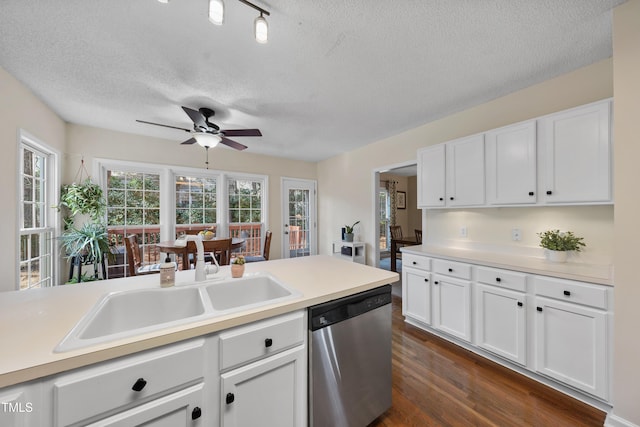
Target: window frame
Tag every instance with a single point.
(51, 216)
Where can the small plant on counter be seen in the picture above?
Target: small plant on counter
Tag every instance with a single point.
(239, 260)
(556, 240)
(349, 230)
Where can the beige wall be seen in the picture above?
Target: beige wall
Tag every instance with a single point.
(90, 143)
(19, 110)
(626, 51)
(338, 203)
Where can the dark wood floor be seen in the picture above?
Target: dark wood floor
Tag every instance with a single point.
(436, 383)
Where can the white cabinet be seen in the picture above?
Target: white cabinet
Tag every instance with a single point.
(571, 334)
(452, 306)
(465, 171)
(511, 164)
(138, 387)
(575, 154)
(263, 373)
(416, 288)
(22, 406)
(431, 176)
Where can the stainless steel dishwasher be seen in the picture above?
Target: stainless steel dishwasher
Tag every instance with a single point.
(350, 359)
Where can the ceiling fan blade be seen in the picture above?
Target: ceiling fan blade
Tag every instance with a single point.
(242, 132)
(231, 143)
(196, 117)
(189, 141)
(166, 126)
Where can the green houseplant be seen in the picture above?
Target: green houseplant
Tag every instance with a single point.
(89, 243)
(558, 243)
(237, 266)
(348, 232)
(85, 198)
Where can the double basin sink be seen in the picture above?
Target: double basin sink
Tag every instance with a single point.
(128, 313)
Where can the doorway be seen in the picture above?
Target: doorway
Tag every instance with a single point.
(298, 218)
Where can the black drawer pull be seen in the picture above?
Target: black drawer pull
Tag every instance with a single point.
(451, 270)
(567, 293)
(450, 198)
(441, 199)
(268, 342)
(415, 263)
(498, 279)
(531, 193)
(230, 398)
(520, 304)
(196, 413)
(549, 193)
(539, 308)
(426, 280)
(139, 385)
(436, 282)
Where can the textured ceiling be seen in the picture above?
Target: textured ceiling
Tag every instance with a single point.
(334, 76)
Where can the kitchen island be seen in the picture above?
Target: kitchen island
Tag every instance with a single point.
(34, 322)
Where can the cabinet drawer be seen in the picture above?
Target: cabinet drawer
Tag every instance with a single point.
(570, 291)
(87, 393)
(503, 278)
(452, 268)
(416, 261)
(245, 344)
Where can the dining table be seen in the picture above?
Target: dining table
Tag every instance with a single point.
(394, 247)
(169, 246)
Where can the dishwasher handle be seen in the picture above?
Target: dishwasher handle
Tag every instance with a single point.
(332, 312)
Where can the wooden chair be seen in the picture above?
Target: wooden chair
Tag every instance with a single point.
(418, 236)
(265, 251)
(396, 234)
(134, 259)
(220, 248)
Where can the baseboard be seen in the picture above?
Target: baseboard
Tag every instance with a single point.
(616, 421)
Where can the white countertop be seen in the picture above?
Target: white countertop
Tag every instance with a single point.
(592, 273)
(33, 322)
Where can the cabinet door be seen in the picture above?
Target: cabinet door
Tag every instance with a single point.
(511, 164)
(571, 345)
(465, 171)
(181, 409)
(270, 392)
(21, 406)
(452, 306)
(431, 176)
(416, 295)
(576, 150)
(500, 322)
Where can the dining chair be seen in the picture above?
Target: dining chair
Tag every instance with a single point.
(265, 251)
(418, 236)
(134, 259)
(396, 234)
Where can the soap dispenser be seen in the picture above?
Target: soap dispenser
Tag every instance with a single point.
(167, 273)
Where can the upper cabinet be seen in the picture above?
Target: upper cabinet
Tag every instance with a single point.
(511, 164)
(575, 155)
(452, 174)
(561, 158)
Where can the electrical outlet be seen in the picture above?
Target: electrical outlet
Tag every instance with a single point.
(516, 234)
(463, 231)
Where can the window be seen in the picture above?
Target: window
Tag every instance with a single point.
(384, 206)
(245, 208)
(196, 203)
(36, 219)
(133, 207)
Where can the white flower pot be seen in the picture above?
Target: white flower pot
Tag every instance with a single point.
(556, 256)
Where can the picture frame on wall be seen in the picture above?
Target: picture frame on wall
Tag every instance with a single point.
(401, 200)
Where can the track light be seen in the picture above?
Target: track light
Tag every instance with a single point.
(216, 12)
(261, 29)
(207, 140)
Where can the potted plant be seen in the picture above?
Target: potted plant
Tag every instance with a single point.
(558, 243)
(87, 244)
(348, 232)
(237, 266)
(85, 198)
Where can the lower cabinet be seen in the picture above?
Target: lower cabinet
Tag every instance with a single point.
(416, 298)
(501, 322)
(452, 306)
(22, 406)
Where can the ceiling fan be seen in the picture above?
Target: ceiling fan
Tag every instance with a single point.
(208, 134)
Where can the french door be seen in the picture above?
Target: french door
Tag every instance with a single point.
(299, 218)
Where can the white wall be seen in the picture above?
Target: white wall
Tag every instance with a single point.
(19, 109)
(345, 181)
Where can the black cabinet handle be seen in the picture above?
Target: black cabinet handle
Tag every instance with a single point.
(436, 282)
(498, 279)
(451, 270)
(441, 199)
(567, 293)
(531, 193)
(139, 385)
(196, 413)
(268, 342)
(539, 308)
(426, 280)
(230, 398)
(549, 193)
(450, 198)
(414, 263)
(519, 304)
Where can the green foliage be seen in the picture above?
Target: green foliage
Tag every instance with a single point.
(239, 260)
(556, 240)
(91, 241)
(349, 230)
(83, 278)
(85, 198)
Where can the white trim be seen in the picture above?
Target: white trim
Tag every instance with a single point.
(616, 421)
(313, 245)
(375, 188)
(51, 198)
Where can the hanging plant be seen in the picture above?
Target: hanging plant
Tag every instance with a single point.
(85, 198)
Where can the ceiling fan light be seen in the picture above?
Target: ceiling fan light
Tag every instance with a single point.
(207, 139)
(216, 12)
(261, 29)
(164, 1)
